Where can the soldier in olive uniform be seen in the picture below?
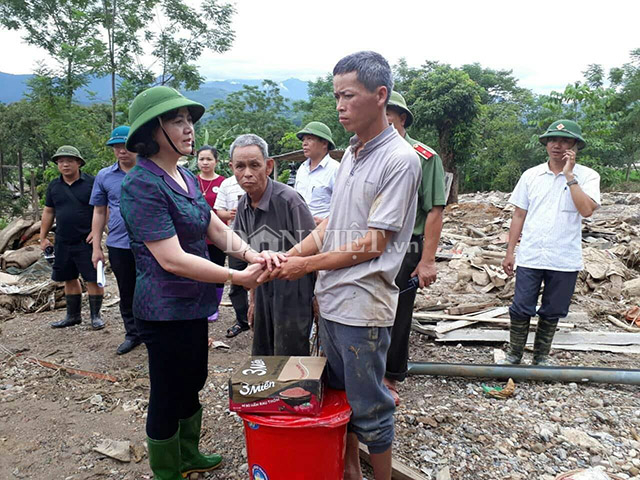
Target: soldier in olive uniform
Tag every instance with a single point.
(420, 257)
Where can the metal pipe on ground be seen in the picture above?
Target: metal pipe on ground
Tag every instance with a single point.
(528, 372)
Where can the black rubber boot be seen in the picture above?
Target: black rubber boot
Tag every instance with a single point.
(544, 338)
(518, 332)
(74, 304)
(95, 303)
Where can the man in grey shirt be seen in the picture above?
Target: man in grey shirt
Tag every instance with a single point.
(273, 216)
(358, 251)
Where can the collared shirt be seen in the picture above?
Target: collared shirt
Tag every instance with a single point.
(154, 207)
(229, 194)
(316, 187)
(432, 189)
(378, 189)
(552, 232)
(106, 192)
(279, 221)
(72, 209)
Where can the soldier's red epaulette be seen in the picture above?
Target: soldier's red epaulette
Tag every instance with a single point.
(423, 151)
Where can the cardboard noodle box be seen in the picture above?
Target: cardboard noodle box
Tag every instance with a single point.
(286, 385)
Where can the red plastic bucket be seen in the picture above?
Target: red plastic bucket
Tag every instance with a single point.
(288, 447)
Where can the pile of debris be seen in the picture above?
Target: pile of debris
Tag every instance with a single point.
(25, 276)
(475, 291)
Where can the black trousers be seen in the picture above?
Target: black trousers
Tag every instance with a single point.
(178, 357)
(398, 352)
(123, 265)
(283, 316)
(238, 295)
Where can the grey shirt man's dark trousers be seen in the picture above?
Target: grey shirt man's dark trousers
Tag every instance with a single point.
(282, 317)
(238, 294)
(398, 353)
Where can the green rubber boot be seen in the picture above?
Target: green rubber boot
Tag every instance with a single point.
(518, 332)
(192, 459)
(544, 338)
(164, 458)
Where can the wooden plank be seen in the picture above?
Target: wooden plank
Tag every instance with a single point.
(428, 330)
(600, 348)
(469, 308)
(399, 471)
(499, 321)
(560, 338)
(446, 326)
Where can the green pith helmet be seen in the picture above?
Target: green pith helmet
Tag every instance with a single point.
(154, 102)
(398, 101)
(564, 128)
(318, 129)
(67, 151)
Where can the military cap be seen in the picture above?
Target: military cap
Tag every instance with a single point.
(398, 101)
(564, 128)
(67, 151)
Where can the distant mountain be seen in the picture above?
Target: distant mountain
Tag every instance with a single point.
(13, 88)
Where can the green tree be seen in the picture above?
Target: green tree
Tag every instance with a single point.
(502, 147)
(65, 29)
(448, 100)
(259, 110)
(123, 23)
(321, 107)
(187, 33)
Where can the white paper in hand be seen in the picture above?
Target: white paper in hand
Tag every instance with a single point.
(102, 280)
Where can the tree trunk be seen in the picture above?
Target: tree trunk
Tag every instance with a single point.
(112, 59)
(35, 203)
(1, 169)
(629, 169)
(448, 162)
(69, 87)
(20, 172)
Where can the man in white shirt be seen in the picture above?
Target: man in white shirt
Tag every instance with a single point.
(550, 199)
(229, 194)
(316, 176)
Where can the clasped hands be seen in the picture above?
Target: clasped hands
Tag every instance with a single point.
(275, 265)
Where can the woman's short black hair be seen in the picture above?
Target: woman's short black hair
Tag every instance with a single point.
(203, 148)
(146, 146)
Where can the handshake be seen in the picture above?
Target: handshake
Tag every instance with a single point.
(268, 265)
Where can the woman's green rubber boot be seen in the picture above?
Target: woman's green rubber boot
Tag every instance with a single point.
(164, 458)
(192, 459)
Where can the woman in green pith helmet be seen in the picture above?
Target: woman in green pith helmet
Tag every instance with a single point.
(168, 221)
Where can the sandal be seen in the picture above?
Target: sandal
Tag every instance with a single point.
(391, 386)
(237, 329)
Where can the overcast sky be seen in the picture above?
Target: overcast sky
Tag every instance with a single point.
(547, 44)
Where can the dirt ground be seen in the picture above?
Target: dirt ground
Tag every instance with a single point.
(51, 421)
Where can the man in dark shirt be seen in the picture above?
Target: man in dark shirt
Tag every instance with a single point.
(67, 201)
(273, 216)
